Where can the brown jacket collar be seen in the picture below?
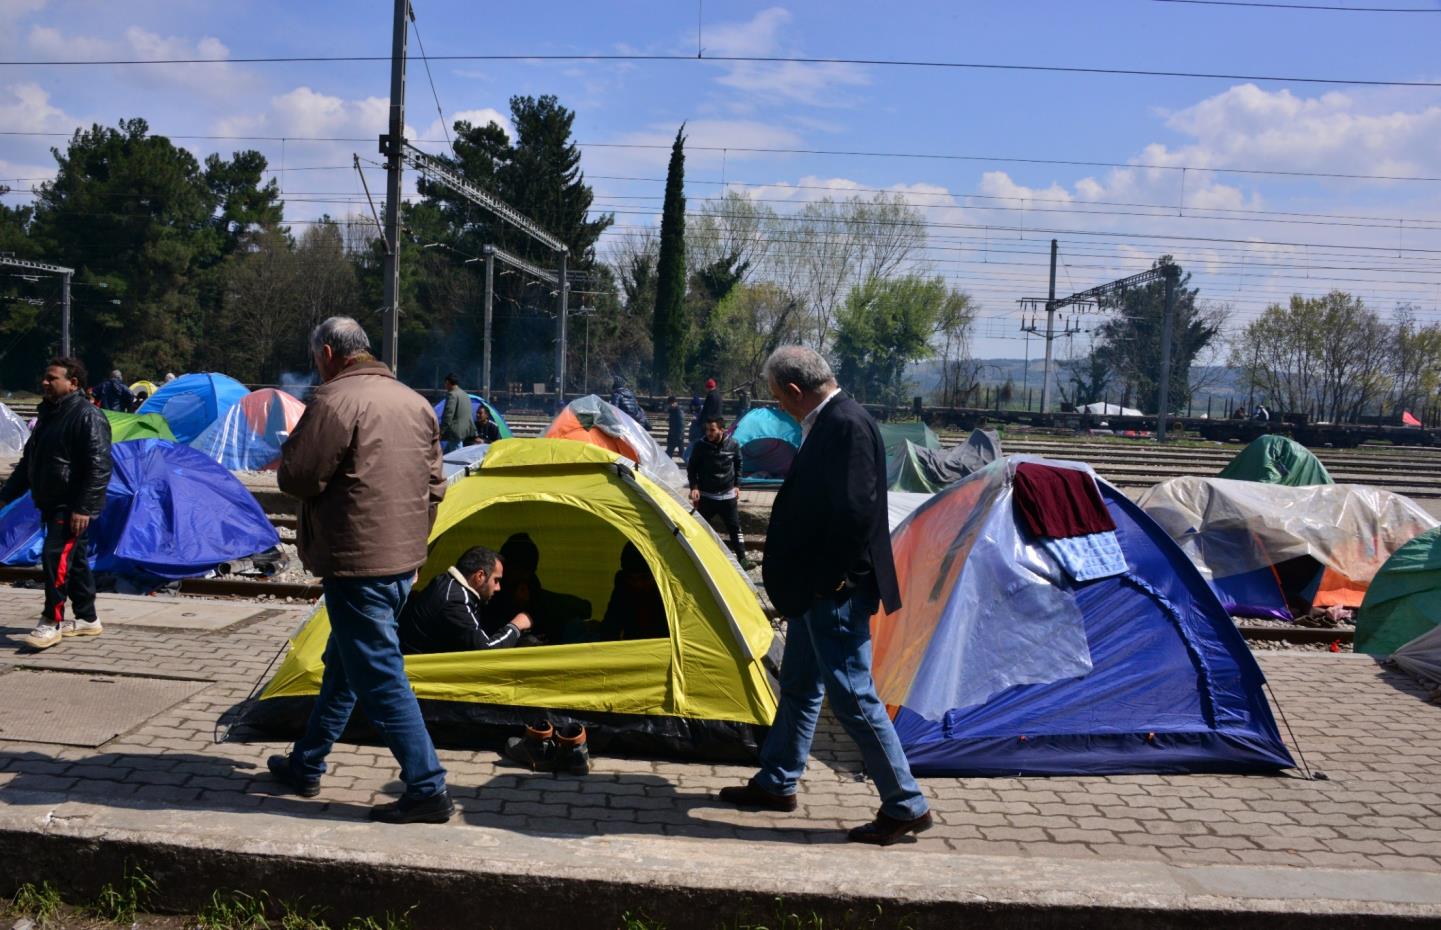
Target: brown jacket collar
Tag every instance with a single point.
(365, 366)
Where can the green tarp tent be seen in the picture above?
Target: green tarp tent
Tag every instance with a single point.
(126, 426)
(1277, 460)
(1404, 599)
(925, 471)
(896, 435)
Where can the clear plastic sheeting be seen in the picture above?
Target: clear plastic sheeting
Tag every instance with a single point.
(1111, 410)
(590, 419)
(13, 433)
(985, 609)
(901, 504)
(1421, 658)
(455, 465)
(1232, 527)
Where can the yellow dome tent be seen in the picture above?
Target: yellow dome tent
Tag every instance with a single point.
(701, 693)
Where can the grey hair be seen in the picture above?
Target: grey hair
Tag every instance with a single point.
(115, 374)
(342, 334)
(798, 365)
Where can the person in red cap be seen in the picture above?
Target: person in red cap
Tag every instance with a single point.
(712, 406)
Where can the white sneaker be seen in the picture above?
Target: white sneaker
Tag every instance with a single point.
(70, 628)
(43, 636)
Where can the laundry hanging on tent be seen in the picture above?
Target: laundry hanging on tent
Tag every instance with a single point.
(1059, 503)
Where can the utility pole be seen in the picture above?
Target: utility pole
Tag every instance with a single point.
(562, 287)
(391, 146)
(1050, 335)
(1172, 274)
(65, 275)
(489, 252)
(1052, 305)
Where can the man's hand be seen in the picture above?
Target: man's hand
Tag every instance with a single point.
(695, 497)
(521, 622)
(79, 522)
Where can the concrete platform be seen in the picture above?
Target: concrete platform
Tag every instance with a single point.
(1362, 849)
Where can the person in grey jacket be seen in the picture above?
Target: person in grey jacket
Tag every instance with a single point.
(457, 426)
(66, 468)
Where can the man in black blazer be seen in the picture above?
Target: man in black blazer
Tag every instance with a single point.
(827, 569)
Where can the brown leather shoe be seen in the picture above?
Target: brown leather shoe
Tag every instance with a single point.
(750, 795)
(883, 831)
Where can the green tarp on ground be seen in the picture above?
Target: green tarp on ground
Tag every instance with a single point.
(1404, 599)
(1277, 460)
(127, 426)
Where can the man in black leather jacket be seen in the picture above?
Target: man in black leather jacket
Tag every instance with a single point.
(445, 616)
(66, 468)
(714, 471)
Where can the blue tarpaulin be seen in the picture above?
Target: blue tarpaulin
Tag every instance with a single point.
(192, 402)
(170, 513)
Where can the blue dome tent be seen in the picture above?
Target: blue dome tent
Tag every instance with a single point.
(170, 513)
(1001, 662)
(769, 438)
(192, 402)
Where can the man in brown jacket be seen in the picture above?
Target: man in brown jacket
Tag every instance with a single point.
(364, 461)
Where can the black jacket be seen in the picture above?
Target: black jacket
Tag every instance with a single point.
(714, 467)
(675, 420)
(487, 432)
(828, 524)
(444, 616)
(712, 406)
(66, 463)
(624, 398)
(114, 395)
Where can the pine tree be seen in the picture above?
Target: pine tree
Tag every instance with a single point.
(668, 329)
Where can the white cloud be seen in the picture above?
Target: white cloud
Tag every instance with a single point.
(477, 117)
(762, 35)
(215, 80)
(27, 108)
(1354, 133)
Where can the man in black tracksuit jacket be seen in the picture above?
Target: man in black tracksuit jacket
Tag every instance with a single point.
(714, 470)
(66, 468)
(445, 615)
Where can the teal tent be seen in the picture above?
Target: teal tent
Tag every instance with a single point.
(769, 438)
(1277, 460)
(1404, 599)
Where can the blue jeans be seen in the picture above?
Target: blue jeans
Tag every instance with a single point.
(363, 661)
(828, 651)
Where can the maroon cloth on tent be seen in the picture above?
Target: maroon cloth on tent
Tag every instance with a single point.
(1058, 503)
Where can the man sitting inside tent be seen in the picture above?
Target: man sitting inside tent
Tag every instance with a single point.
(636, 610)
(445, 616)
(554, 618)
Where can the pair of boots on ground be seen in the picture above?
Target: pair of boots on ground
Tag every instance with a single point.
(547, 748)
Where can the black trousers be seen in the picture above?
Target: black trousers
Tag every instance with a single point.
(729, 512)
(66, 560)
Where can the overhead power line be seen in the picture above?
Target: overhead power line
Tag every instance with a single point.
(940, 156)
(736, 59)
(1307, 6)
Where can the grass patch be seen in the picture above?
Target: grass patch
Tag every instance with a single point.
(41, 903)
(233, 910)
(782, 918)
(120, 904)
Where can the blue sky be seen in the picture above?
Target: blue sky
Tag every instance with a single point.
(988, 214)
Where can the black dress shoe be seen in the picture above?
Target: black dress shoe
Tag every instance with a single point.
(435, 809)
(883, 831)
(282, 771)
(750, 795)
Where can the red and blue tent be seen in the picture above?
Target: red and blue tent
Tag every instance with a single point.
(249, 435)
(1001, 662)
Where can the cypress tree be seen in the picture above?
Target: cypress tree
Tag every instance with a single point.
(668, 329)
